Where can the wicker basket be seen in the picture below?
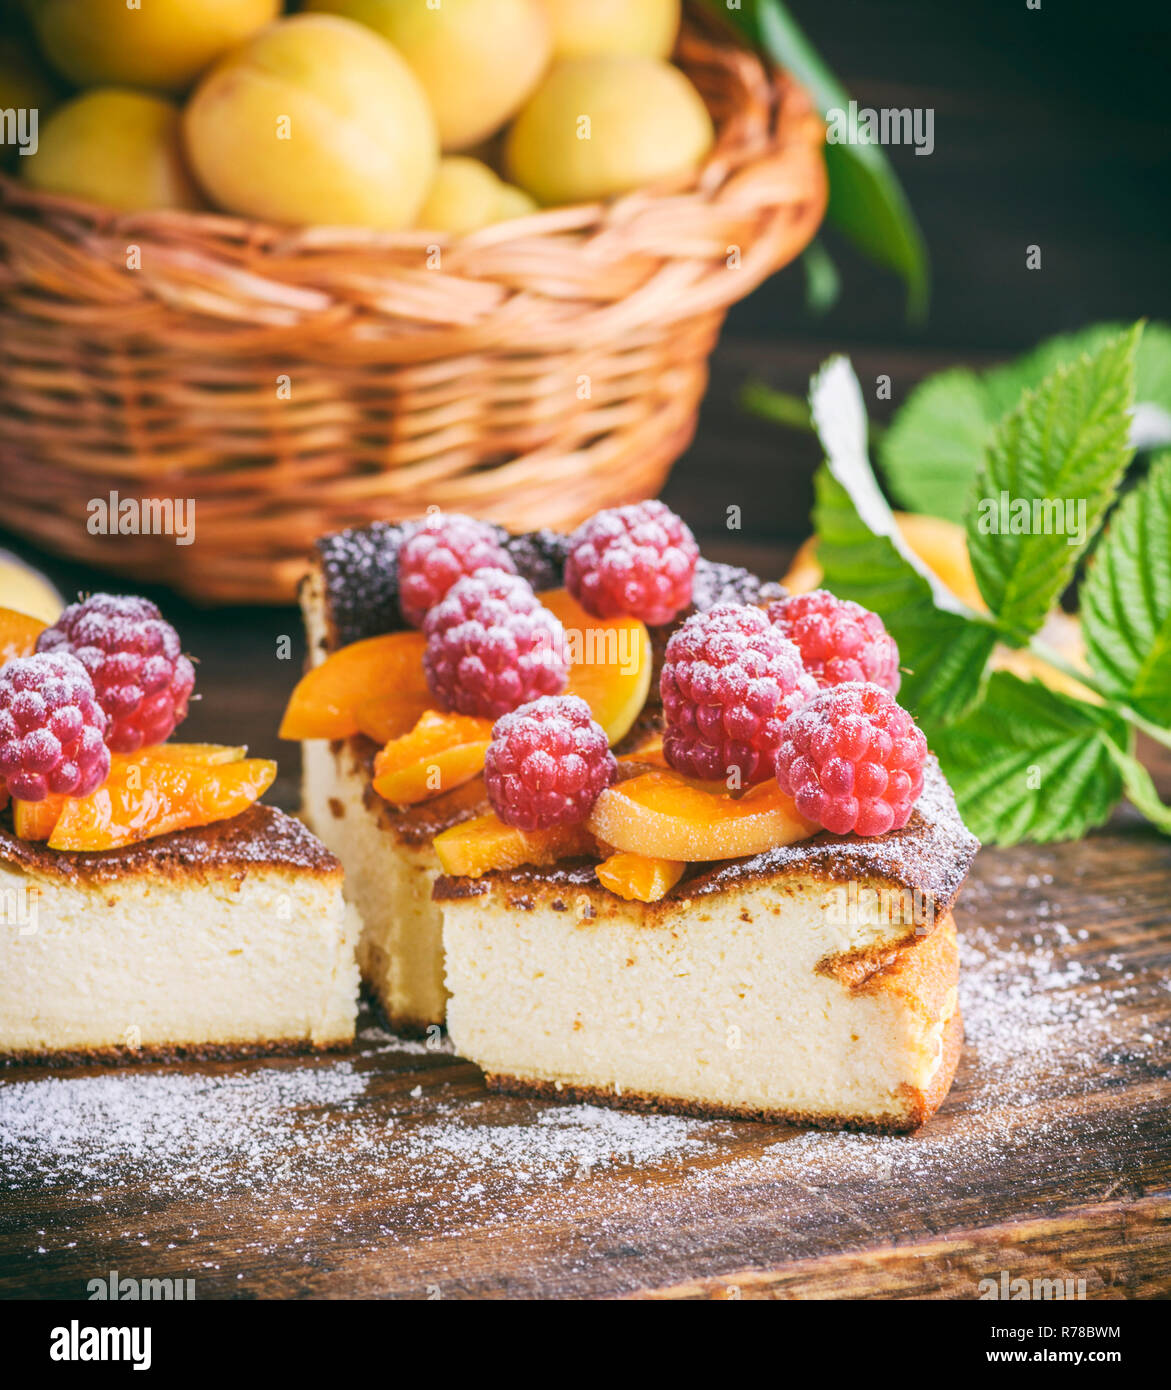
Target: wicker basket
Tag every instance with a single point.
(297, 381)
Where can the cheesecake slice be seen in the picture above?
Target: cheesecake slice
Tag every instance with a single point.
(814, 983)
(349, 594)
(232, 938)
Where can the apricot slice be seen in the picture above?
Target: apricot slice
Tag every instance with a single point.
(440, 753)
(18, 634)
(662, 816)
(384, 717)
(198, 754)
(34, 820)
(478, 846)
(638, 878)
(145, 796)
(326, 700)
(610, 662)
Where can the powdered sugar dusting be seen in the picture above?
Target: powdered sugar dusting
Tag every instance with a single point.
(402, 1132)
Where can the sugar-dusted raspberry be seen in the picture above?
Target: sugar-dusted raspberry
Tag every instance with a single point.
(441, 549)
(141, 677)
(729, 682)
(838, 640)
(51, 728)
(547, 764)
(852, 759)
(636, 561)
(491, 645)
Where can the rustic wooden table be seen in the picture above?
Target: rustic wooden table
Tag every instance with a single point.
(391, 1172)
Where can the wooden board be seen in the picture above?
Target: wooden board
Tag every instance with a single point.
(391, 1172)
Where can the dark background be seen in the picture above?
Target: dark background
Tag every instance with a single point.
(1051, 128)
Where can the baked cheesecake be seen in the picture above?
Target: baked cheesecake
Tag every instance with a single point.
(229, 938)
(149, 904)
(725, 891)
(350, 595)
(813, 983)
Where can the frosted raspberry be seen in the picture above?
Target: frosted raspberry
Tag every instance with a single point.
(838, 640)
(852, 759)
(441, 549)
(729, 682)
(547, 764)
(636, 561)
(51, 728)
(140, 675)
(491, 646)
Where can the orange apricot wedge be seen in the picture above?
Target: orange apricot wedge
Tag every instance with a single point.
(610, 662)
(383, 717)
(638, 878)
(476, 847)
(440, 753)
(197, 754)
(377, 686)
(327, 698)
(18, 634)
(34, 820)
(145, 796)
(661, 815)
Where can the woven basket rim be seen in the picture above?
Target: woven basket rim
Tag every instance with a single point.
(714, 171)
(457, 384)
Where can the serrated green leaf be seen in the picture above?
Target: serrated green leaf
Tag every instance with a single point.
(867, 202)
(943, 647)
(1065, 444)
(1028, 763)
(935, 446)
(1141, 789)
(939, 436)
(1126, 599)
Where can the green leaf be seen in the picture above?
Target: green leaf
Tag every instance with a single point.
(1140, 789)
(866, 200)
(943, 647)
(822, 285)
(1126, 599)
(1028, 763)
(1064, 447)
(936, 443)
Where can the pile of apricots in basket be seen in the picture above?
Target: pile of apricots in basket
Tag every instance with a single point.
(443, 115)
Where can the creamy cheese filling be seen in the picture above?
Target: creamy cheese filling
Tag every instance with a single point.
(234, 958)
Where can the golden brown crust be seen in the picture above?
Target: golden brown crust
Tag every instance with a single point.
(923, 974)
(116, 1055)
(921, 1105)
(916, 965)
(260, 838)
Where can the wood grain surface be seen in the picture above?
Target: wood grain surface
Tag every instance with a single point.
(1050, 1159)
(390, 1172)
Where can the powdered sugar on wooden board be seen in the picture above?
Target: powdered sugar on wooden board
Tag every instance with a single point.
(402, 1128)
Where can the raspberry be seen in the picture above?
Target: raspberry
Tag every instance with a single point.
(852, 759)
(729, 682)
(838, 640)
(547, 764)
(51, 728)
(140, 675)
(636, 561)
(491, 646)
(440, 550)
